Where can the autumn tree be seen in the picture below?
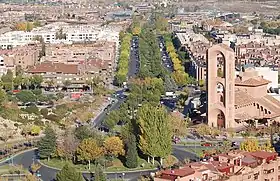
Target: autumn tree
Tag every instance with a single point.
(250, 145)
(155, 132)
(179, 125)
(136, 30)
(267, 146)
(69, 173)
(35, 167)
(169, 161)
(30, 177)
(66, 149)
(113, 146)
(89, 150)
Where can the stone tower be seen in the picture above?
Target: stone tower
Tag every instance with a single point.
(220, 86)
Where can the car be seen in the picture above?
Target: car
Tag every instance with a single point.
(206, 144)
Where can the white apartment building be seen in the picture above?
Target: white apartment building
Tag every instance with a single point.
(269, 40)
(74, 33)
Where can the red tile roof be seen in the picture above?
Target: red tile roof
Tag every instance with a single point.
(54, 68)
(263, 154)
(251, 82)
(179, 172)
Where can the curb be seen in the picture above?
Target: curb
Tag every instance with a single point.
(17, 154)
(87, 172)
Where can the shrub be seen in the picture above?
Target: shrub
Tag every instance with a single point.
(26, 96)
(32, 109)
(37, 91)
(44, 111)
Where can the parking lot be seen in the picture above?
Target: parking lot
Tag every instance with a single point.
(134, 63)
(166, 60)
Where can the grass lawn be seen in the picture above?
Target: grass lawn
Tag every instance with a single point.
(117, 165)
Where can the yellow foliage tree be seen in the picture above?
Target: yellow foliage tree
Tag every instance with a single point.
(179, 125)
(169, 161)
(30, 177)
(136, 30)
(267, 146)
(89, 150)
(114, 146)
(24, 26)
(35, 130)
(35, 168)
(250, 145)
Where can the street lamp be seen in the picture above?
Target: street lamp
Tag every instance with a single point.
(123, 175)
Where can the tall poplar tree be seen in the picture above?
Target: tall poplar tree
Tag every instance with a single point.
(131, 152)
(155, 131)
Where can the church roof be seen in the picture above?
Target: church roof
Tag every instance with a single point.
(251, 82)
(242, 98)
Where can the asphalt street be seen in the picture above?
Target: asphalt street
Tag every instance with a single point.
(99, 119)
(166, 60)
(134, 63)
(48, 174)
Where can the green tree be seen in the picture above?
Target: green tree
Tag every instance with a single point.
(36, 23)
(112, 119)
(99, 174)
(35, 130)
(7, 81)
(89, 150)
(131, 152)
(83, 132)
(36, 81)
(47, 144)
(17, 81)
(3, 96)
(155, 132)
(26, 96)
(69, 173)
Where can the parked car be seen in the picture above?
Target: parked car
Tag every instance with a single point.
(206, 144)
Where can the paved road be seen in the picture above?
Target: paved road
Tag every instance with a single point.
(134, 63)
(99, 119)
(166, 60)
(48, 174)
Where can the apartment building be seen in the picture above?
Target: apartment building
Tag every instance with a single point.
(57, 73)
(23, 56)
(232, 166)
(73, 33)
(258, 53)
(80, 52)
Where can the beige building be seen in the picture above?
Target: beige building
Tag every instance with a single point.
(78, 53)
(24, 56)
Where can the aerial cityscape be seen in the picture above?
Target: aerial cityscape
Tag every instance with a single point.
(139, 90)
